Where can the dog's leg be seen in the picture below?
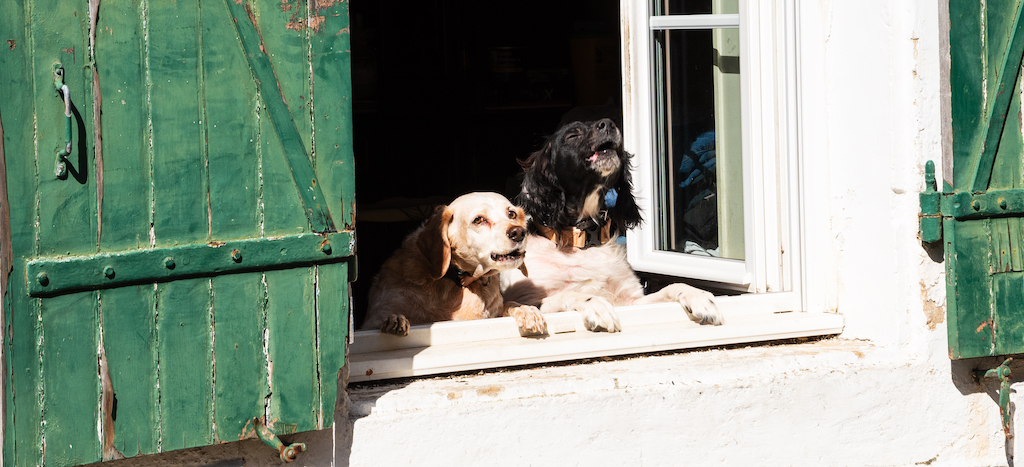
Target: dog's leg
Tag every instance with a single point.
(396, 324)
(699, 304)
(598, 314)
(531, 322)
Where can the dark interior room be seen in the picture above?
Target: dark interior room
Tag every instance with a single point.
(448, 94)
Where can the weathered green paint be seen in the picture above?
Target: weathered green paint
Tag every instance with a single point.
(293, 351)
(192, 165)
(186, 365)
(332, 313)
(23, 424)
(129, 325)
(333, 91)
(70, 388)
(128, 313)
(64, 274)
(982, 211)
(1005, 36)
(258, 53)
(930, 220)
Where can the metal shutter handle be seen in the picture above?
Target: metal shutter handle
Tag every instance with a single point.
(62, 156)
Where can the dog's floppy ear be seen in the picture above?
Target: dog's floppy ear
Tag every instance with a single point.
(541, 196)
(433, 242)
(626, 214)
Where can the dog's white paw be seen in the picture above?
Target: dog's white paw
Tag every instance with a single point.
(529, 319)
(598, 314)
(699, 304)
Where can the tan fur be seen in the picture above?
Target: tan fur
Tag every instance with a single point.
(411, 287)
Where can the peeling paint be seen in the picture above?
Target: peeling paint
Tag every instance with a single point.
(11, 43)
(935, 313)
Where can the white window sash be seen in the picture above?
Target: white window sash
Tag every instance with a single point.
(694, 22)
(771, 214)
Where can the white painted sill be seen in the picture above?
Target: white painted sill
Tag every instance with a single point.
(493, 343)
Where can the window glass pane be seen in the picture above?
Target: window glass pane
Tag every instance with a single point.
(700, 204)
(695, 7)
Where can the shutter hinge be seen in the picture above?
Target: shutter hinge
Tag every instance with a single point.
(288, 453)
(930, 217)
(1003, 373)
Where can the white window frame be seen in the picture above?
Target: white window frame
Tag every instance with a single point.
(772, 169)
(787, 296)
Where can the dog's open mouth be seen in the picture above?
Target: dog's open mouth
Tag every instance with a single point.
(605, 150)
(513, 255)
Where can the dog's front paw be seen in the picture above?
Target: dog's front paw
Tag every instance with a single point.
(598, 313)
(699, 305)
(397, 325)
(529, 319)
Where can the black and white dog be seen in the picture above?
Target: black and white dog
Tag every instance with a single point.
(579, 194)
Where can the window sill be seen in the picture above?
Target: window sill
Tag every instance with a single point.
(472, 345)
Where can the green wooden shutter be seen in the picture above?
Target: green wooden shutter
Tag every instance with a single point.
(190, 273)
(979, 216)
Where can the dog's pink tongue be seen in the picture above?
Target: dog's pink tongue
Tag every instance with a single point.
(593, 157)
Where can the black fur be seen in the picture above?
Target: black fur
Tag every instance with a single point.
(560, 176)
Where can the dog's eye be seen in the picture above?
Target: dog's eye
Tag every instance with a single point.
(479, 220)
(572, 136)
(511, 214)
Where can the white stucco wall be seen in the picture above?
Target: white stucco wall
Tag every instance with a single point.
(883, 393)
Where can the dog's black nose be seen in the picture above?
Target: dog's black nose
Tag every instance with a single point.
(517, 233)
(605, 124)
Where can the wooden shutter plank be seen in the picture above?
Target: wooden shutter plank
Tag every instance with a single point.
(291, 328)
(128, 313)
(232, 147)
(67, 208)
(240, 364)
(332, 118)
(22, 441)
(70, 384)
(180, 217)
(1007, 296)
(184, 358)
(999, 244)
(129, 326)
(125, 123)
(966, 81)
(291, 294)
(973, 290)
(231, 128)
(179, 169)
(282, 207)
(67, 225)
(332, 329)
(332, 111)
